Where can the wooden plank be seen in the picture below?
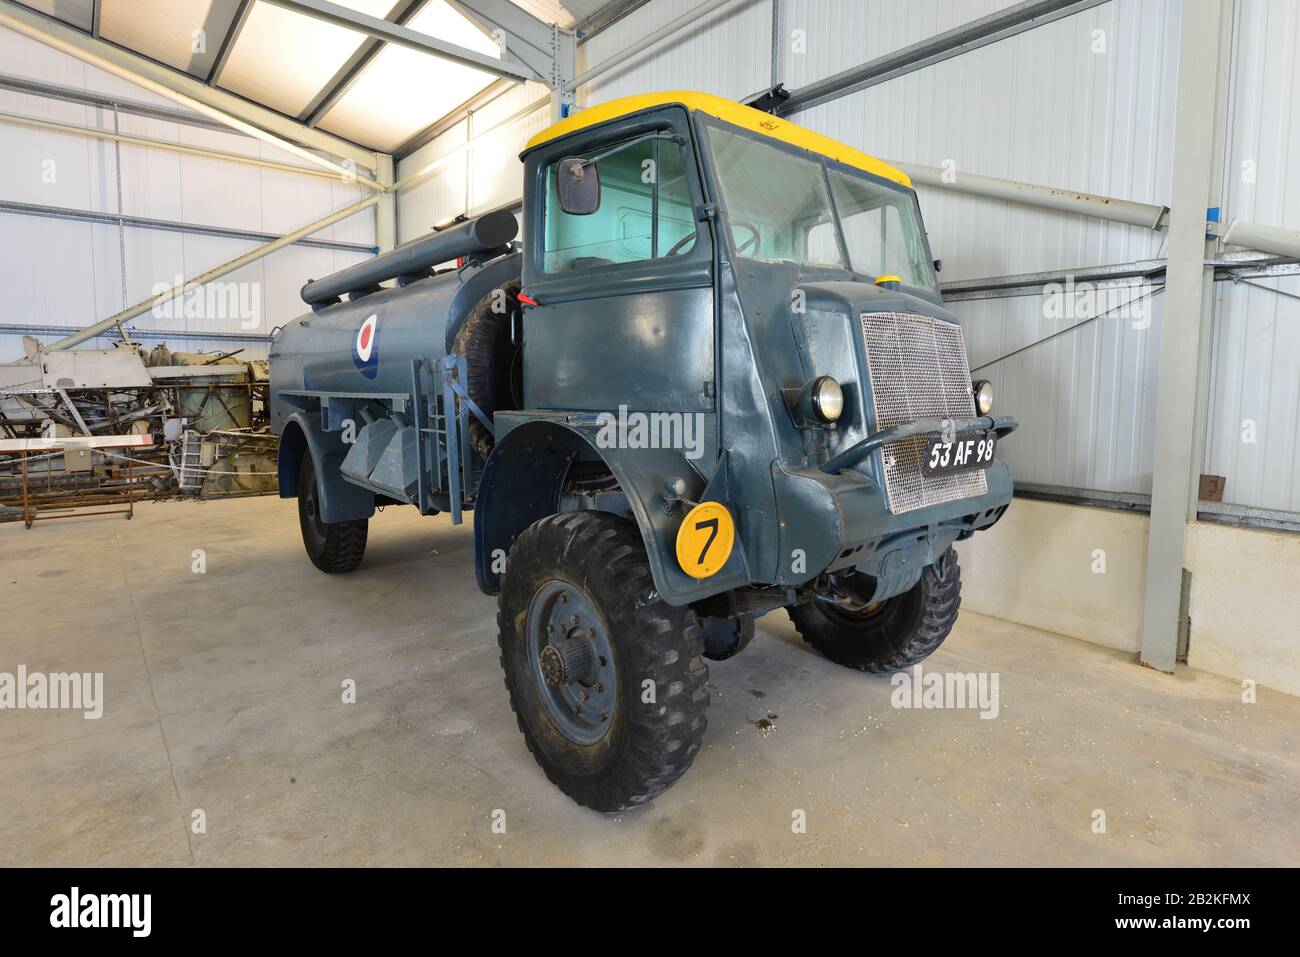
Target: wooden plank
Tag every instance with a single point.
(75, 442)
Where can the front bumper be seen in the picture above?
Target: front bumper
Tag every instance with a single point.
(835, 518)
(1001, 424)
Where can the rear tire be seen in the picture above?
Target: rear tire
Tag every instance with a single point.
(580, 636)
(333, 547)
(894, 635)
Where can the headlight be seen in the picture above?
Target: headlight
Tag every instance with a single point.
(827, 398)
(982, 389)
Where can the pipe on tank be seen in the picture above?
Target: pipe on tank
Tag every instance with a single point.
(487, 233)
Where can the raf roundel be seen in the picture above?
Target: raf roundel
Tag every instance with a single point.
(364, 351)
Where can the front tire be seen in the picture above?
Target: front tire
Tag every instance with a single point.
(583, 644)
(333, 547)
(890, 635)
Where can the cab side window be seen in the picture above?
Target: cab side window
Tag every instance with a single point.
(645, 210)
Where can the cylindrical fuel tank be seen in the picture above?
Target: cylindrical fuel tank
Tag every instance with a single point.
(485, 234)
(366, 345)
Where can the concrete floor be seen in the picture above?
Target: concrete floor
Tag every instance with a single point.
(223, 694)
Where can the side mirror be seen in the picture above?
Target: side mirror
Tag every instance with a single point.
(577, 182)
(938, 265)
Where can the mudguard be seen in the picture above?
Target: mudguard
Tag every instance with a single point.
(340, 500)
(523, 478)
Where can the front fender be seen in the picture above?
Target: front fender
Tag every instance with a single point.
(525, 474)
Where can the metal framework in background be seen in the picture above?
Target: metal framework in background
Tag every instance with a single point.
(1008, 22)
(1198, 128)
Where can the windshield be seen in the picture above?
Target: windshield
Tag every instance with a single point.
(779, 210)
(882, 229)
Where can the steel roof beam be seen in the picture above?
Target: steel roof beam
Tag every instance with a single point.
(527, 41)
(94, 132)
(98, 100)
(185, 90)
(402, 36)
(228, 41)
(347, 74)
(607, 16)
(650, 39)
(1009, 22)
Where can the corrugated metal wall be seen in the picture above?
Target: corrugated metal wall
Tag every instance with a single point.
(72, 273)
(1043, 107)
(726, 53)
(1254, 434)
(476, 178)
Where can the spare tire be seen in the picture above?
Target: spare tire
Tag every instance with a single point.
(493, 364)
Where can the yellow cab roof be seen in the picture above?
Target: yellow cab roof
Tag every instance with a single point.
(729, 111)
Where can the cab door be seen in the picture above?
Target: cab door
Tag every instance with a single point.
(624, 313)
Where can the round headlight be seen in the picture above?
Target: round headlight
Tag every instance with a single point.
(827, 398)
(983, 392)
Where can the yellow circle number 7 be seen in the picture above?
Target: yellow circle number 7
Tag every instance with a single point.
(705, 539)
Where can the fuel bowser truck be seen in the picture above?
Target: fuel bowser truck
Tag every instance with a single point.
(712, 378)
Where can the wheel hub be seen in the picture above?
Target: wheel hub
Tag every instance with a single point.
(572, 661)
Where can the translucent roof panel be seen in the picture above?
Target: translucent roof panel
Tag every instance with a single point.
(80, 13)
(403, 90)
(283, 59)
(184, 34)
(551, 11)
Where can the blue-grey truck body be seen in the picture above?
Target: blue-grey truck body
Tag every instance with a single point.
(818, 400)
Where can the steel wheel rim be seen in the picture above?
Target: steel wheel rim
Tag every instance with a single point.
(313, 525)
(571, 661)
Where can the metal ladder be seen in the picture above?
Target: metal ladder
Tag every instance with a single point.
(442, 410)
(192, 470)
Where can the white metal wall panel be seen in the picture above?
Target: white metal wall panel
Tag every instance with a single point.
(1042, 107)
(70, 273)
(1254, 424)
(820, 38)
(476, 178)
(443, 194)
(497, 176)
(726, 53)
(1085, 401)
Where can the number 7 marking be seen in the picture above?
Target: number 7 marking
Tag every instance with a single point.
(711, 523)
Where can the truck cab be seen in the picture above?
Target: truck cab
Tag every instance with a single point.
(716, 380)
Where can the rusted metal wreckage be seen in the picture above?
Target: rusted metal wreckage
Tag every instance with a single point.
(109, 427)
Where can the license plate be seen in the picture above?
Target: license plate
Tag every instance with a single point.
(970, 451)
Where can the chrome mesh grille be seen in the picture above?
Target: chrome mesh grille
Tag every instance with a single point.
(918, 370)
